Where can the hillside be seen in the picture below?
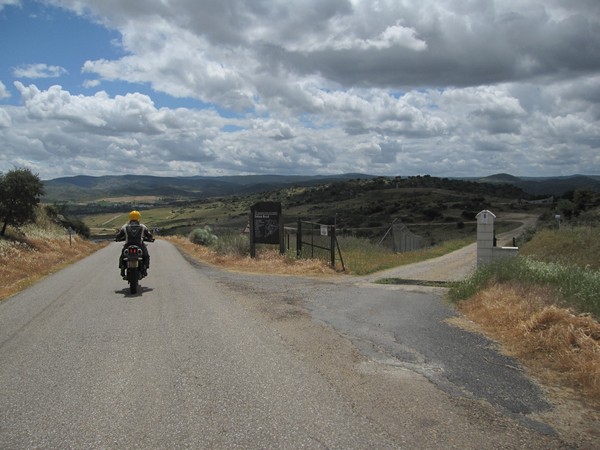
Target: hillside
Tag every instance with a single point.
(556, 186)
(87, 189)
(434, 208)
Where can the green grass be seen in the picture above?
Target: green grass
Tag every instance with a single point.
(361, 257)
(563, 260)
(573, 246)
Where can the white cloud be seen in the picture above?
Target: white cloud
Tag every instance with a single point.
(3, 91)
(38, 71)
(4, 3)
(91, 83)
(5, 120)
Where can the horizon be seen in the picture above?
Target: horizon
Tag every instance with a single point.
(328, 176)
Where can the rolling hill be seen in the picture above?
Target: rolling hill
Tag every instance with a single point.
(87, 188)
(84, 188)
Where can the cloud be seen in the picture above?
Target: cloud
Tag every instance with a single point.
(3, 92)
(38, 71)
(453, 132)
(220, 53)
(91, 83)
(325, 86)
(4, 3)
(5, 121)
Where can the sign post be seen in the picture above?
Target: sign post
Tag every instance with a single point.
(266, 226)
(70, 231)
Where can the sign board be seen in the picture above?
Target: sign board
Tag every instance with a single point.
(266, 226)
(323, 230)
(265, 220)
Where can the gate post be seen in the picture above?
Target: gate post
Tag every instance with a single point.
(299, 239)
(332, 246)
(485, 237)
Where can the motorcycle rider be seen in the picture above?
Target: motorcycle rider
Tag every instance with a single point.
(134, 232)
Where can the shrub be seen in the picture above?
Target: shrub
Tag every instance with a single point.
(233, 245)
(78, 226)
(203, 236)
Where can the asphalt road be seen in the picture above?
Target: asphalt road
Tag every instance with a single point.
(202, 358)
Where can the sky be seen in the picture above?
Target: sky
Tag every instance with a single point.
(449, 88)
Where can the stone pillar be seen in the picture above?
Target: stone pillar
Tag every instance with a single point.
(485, 237)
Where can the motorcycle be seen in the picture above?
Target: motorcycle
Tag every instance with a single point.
(132, 259)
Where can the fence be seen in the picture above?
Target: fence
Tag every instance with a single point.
(314, 240)
(401, 239)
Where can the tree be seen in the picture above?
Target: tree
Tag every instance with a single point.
(20, 192)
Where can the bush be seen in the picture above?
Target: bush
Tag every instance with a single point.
(233, 245)
(203, 236)
(78, 226)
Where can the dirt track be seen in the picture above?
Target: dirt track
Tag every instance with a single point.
(454, 266)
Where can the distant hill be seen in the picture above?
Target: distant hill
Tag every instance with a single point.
(83, 188)
(556, 186)
(500, 178)
(86, 188)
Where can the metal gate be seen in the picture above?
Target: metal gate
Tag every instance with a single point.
(315, 240)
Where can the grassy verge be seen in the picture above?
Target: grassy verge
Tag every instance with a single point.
(360, 256)
(560, 347)
(544, 307)
(576, 246)
(575, 287)
(35, 253)
(268, 260)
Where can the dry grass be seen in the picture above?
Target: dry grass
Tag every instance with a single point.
(559, 347)
(26, 258)
(267, 260)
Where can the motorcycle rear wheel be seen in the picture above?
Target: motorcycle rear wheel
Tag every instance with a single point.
(133, 278)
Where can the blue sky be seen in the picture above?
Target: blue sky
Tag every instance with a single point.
(197, 87)
(33, 33)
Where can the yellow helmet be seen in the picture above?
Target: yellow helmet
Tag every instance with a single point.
(134, 215)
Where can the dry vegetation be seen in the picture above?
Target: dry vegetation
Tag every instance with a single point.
(35, 252)
(267, 260)
(543, 308)
(558, 346)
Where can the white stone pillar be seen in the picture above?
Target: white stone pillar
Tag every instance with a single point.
(485, 237)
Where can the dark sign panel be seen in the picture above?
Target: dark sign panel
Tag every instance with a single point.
(266, 218)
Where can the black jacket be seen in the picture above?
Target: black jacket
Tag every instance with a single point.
(134, 232)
